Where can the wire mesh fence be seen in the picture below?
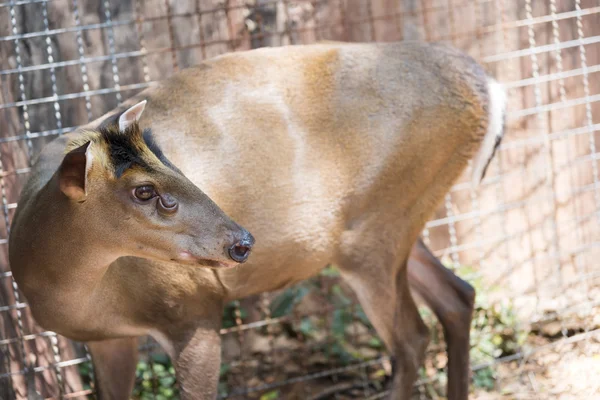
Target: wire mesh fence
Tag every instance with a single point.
(529, 237)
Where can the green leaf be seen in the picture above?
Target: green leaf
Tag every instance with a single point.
(142, 366)
(285, 302)
(223, 389)
(360, 314)
(339, 297)
(273, 395)
(158, 368)
(330, 271)
(167, 381)
(224, 369)
(169, 393)
(497, 340)
(306, 327)
(341, 318)
(338, 350)
(160, 358)
(375, 343)
(484, 379)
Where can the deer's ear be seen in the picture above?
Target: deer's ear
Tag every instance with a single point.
(133, 114)
(73, 172)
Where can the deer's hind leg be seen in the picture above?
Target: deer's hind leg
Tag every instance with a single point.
(377, 271)
(452, 300)
(114, 363)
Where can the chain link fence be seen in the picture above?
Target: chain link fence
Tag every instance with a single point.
(528, 238)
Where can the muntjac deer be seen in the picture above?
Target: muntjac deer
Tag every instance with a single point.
(328, 153)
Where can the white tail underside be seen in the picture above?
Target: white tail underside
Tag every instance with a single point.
(495, 130)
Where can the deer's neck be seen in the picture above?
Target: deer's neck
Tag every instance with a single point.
(54, 253)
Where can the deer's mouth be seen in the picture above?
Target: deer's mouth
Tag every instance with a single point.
(216, 264)
(189, 259)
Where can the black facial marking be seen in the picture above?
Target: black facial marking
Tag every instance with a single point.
(123, 148)
(151, 143)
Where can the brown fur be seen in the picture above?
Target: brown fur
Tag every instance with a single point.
(326, 154)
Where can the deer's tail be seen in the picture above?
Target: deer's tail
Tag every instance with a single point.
(495, 130)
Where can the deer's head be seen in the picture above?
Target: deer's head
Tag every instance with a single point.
(135, 202)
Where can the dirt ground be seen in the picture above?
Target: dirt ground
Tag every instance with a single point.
(317, 344)
(287, 360)
(568, 368)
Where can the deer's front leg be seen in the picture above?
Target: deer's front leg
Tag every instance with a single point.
(114, 367)
(197, 359)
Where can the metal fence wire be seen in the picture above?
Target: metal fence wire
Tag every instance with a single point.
(528, 238)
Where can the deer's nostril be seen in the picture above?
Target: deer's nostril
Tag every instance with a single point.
(241, 250)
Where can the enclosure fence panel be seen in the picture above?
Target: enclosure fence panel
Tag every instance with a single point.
(528, 238)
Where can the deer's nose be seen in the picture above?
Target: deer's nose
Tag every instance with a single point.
(240, 251)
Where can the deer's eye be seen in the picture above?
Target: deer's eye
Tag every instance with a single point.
(144, 193)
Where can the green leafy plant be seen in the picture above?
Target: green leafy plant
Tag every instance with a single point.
(86, 373)
(495, 332)
(285, 303)
(229, 314)
(338, 346)
(155, 379)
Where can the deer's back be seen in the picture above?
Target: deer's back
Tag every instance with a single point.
(300, 144)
